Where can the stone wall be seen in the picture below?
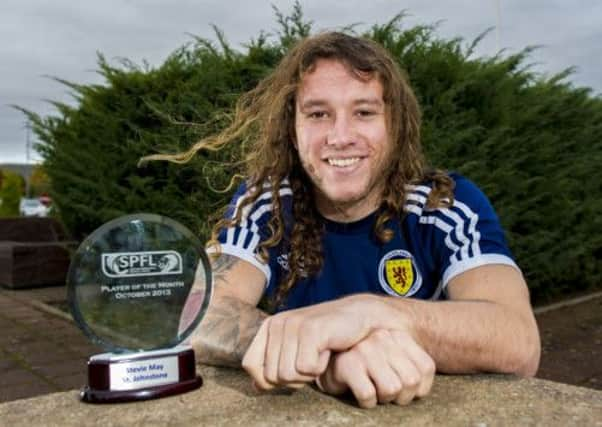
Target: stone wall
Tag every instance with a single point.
(33, 252)
(227, 399)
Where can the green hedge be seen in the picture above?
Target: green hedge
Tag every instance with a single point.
(12, 188)
(532, 143)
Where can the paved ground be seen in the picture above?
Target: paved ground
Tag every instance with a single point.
(42, 351)
(571, 339)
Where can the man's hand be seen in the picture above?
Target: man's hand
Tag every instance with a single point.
(294, 347)
(387, 366)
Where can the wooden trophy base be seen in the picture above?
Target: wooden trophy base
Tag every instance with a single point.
(146, 375)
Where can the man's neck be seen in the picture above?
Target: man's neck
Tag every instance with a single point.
(345, 212)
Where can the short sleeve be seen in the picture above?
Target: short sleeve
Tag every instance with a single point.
(242, 240)
(464, 236)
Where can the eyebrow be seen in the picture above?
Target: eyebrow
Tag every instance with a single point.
(361, 101)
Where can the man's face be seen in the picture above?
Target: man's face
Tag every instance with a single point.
(342, 139)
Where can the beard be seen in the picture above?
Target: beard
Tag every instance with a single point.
(326, 203)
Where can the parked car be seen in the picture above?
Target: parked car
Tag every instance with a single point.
(32, 207)
(46, 200)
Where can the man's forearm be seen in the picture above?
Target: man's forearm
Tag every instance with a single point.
(462, 336)
(486, 325)
(226, 331)
(473, 336)
(230, 323)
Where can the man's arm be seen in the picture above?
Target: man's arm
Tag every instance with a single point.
(486, 326)
(232, 319)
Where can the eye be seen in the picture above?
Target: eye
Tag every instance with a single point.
(317, 115)
(365, 113)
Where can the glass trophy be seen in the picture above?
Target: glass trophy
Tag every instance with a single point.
(138, 286)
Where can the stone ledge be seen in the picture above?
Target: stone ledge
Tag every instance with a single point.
(227, 399)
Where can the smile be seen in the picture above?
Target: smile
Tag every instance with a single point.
(341, 163)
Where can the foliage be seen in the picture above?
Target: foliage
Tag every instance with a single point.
(12, 187)
(91, 151)
(532, 143)
(39, 183)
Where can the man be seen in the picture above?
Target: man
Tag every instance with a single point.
(379, 270)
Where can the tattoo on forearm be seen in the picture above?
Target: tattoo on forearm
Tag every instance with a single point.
(226, 332)
(221, 266)
(229, 325)
(223, 263)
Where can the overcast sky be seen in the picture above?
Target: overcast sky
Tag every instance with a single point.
(61, 37)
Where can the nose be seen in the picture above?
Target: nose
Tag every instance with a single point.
(341, 133)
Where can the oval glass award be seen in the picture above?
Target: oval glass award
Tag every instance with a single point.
(138, 286)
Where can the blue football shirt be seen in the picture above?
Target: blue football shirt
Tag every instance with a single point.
(429, 247)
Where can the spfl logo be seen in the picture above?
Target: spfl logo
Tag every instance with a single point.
(132, 264)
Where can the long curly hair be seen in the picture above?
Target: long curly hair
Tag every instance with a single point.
(264, 121)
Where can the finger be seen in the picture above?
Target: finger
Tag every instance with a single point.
(323, 359)
(363, 389)
(350, 369)
(253, 361)
(295, 386)
(428, 378)
(386, 380)
(310, 344)
(327, 381)
(424, 365)
(410, 380)
(406, 371)
(326, 332)
(287, 370)
(272, 350)
(375, 351)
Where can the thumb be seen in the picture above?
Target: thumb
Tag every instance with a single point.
(327, 381)
(325, 334)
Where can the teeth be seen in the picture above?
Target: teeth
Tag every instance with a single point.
(343, 162)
